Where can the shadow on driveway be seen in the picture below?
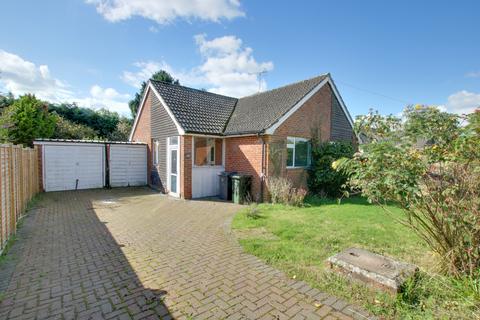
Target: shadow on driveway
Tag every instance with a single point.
(66, 263)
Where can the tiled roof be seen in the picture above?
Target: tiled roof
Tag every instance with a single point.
(196, 111)
(200, 111)
(258, 112)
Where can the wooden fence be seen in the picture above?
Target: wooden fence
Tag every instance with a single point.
(18, 184)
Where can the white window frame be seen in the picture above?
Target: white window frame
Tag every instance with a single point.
(292, 146)
(170, 147)
(155, 155)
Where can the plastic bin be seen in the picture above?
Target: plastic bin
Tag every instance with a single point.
(241, 188)
(225, 185)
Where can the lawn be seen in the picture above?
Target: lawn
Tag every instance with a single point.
(298, 240)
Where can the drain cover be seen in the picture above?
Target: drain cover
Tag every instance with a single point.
(371, 268)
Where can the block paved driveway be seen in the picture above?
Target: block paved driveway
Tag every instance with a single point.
(132, 253)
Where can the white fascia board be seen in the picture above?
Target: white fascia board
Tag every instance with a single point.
(151, 87)
(299, 104)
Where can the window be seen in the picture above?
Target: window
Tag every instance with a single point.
(298, 152)
(155, 152)
(207, 151)
(173, 141)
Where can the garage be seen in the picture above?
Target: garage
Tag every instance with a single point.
(128, 165)
(79, 164)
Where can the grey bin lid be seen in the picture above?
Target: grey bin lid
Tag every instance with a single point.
(226, 174)
(241, 175)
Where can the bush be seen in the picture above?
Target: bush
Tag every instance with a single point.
(428, 165)
(297, 196)
(65, 129)
(323, 179)
(25, 120)
(281, 191)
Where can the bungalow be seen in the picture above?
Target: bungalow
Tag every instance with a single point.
(192, 135)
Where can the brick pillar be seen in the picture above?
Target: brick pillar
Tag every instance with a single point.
(186, 167)
(39, 149)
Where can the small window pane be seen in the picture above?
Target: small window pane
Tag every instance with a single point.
(173, 141)
(212, 154)
(301, 153)
(155, 152)
(290, 141)
(173, 161)
(200, 152)
(289, 157)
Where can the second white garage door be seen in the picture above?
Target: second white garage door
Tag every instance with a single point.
(128, 165)
(73, 166)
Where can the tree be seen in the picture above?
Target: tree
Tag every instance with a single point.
(65, 129)
(122, 131)
(102, 121)
(25, 120)
(6, 101)
(428, 164)
(159, 76)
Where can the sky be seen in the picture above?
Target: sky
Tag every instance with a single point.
(382, 55)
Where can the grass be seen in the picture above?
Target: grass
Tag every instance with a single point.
(298, 240)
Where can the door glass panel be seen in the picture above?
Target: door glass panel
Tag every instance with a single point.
(173, 161)
(173, 183)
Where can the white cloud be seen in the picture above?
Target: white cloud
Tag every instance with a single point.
(20, 76)
(473, 74)
(153, 29)
(165, 11)
(107, 98)
(146, 69)
(463, 102)
(227, 68)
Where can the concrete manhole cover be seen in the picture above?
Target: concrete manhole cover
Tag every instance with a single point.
(373, 269)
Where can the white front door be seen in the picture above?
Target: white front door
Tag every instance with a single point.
(173, 166)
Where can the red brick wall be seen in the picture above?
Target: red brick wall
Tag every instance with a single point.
(143, 131)
(39, 149)
(186, 167)
(244, 155)
(312, 120)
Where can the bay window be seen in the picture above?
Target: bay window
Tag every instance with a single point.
(299, 152)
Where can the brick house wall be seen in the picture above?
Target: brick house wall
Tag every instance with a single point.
(186, 158)
(143, 131)
(321, 117)
(244, 155)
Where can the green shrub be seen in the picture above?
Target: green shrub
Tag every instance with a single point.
(428, 165)
(323, 179)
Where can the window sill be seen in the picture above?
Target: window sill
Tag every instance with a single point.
(298, 168)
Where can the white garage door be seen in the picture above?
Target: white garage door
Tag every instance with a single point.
(73, 166)
(128, 165)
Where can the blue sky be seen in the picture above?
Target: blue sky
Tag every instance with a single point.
(381, 54)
